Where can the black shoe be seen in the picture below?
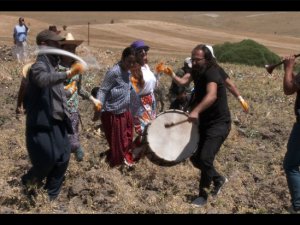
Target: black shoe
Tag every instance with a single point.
(218, 186)
(199, 202)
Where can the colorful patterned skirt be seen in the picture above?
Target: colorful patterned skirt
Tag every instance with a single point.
(145, 113)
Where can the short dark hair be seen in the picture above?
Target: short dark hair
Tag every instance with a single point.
(95, 91)
(128, 51)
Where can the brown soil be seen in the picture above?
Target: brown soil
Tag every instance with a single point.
(251, 156)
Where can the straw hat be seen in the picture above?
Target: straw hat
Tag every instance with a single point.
(54, 29)
(70, 40)
(26, 68)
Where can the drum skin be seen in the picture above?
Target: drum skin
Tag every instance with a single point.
(172, 145)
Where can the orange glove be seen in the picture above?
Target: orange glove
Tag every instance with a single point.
(76, 68)
(244, 104)
(72, 87)
(168, 70)
(160, 67)
(98, 107)
(97, 104)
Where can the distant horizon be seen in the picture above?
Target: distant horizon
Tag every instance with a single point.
(168, 31)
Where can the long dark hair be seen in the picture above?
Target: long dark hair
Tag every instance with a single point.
(128, 51)
(211, 61)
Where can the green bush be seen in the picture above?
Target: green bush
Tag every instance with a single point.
(247, 52)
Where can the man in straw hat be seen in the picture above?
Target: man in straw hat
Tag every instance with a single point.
(47, 118)
(73, 88)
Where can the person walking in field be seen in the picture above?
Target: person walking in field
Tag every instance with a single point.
(74, 88)
(291, 163)
(116, 118)
(47, 119)
(210, 111)
(20, 34)
(143, 102)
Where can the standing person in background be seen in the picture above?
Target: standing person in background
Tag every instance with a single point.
(173, 90)
(116, 118)
(20, 37)
(47, 118)
(182, 99)
(145, 102)
(74, 89)
(291, 163)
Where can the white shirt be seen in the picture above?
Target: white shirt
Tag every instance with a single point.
(150, 80)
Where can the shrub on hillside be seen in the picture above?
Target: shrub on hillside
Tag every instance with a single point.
(247, 52)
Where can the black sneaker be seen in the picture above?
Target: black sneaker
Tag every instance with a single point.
(218, 186)
(199, 202)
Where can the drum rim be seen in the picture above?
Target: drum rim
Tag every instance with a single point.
(152, 154)
(173, 110)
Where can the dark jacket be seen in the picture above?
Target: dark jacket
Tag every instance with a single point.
(44, 99)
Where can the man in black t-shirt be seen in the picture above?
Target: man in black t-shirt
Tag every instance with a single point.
(210, 110)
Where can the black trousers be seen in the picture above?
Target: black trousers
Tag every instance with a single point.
(49, 152)
(211, 139)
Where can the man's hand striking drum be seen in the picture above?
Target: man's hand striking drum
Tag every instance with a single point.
(193, 117)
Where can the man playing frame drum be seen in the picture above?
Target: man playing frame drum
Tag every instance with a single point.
(210, 110)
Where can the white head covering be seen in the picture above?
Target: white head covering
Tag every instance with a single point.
(188, 61)
(211, 50)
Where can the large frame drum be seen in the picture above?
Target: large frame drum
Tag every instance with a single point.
(169, 146)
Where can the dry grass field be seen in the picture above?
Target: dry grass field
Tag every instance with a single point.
(251, 157)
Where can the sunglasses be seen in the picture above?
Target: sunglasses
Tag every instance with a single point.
(140, 51)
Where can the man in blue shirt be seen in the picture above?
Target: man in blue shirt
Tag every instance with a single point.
(20, 37)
